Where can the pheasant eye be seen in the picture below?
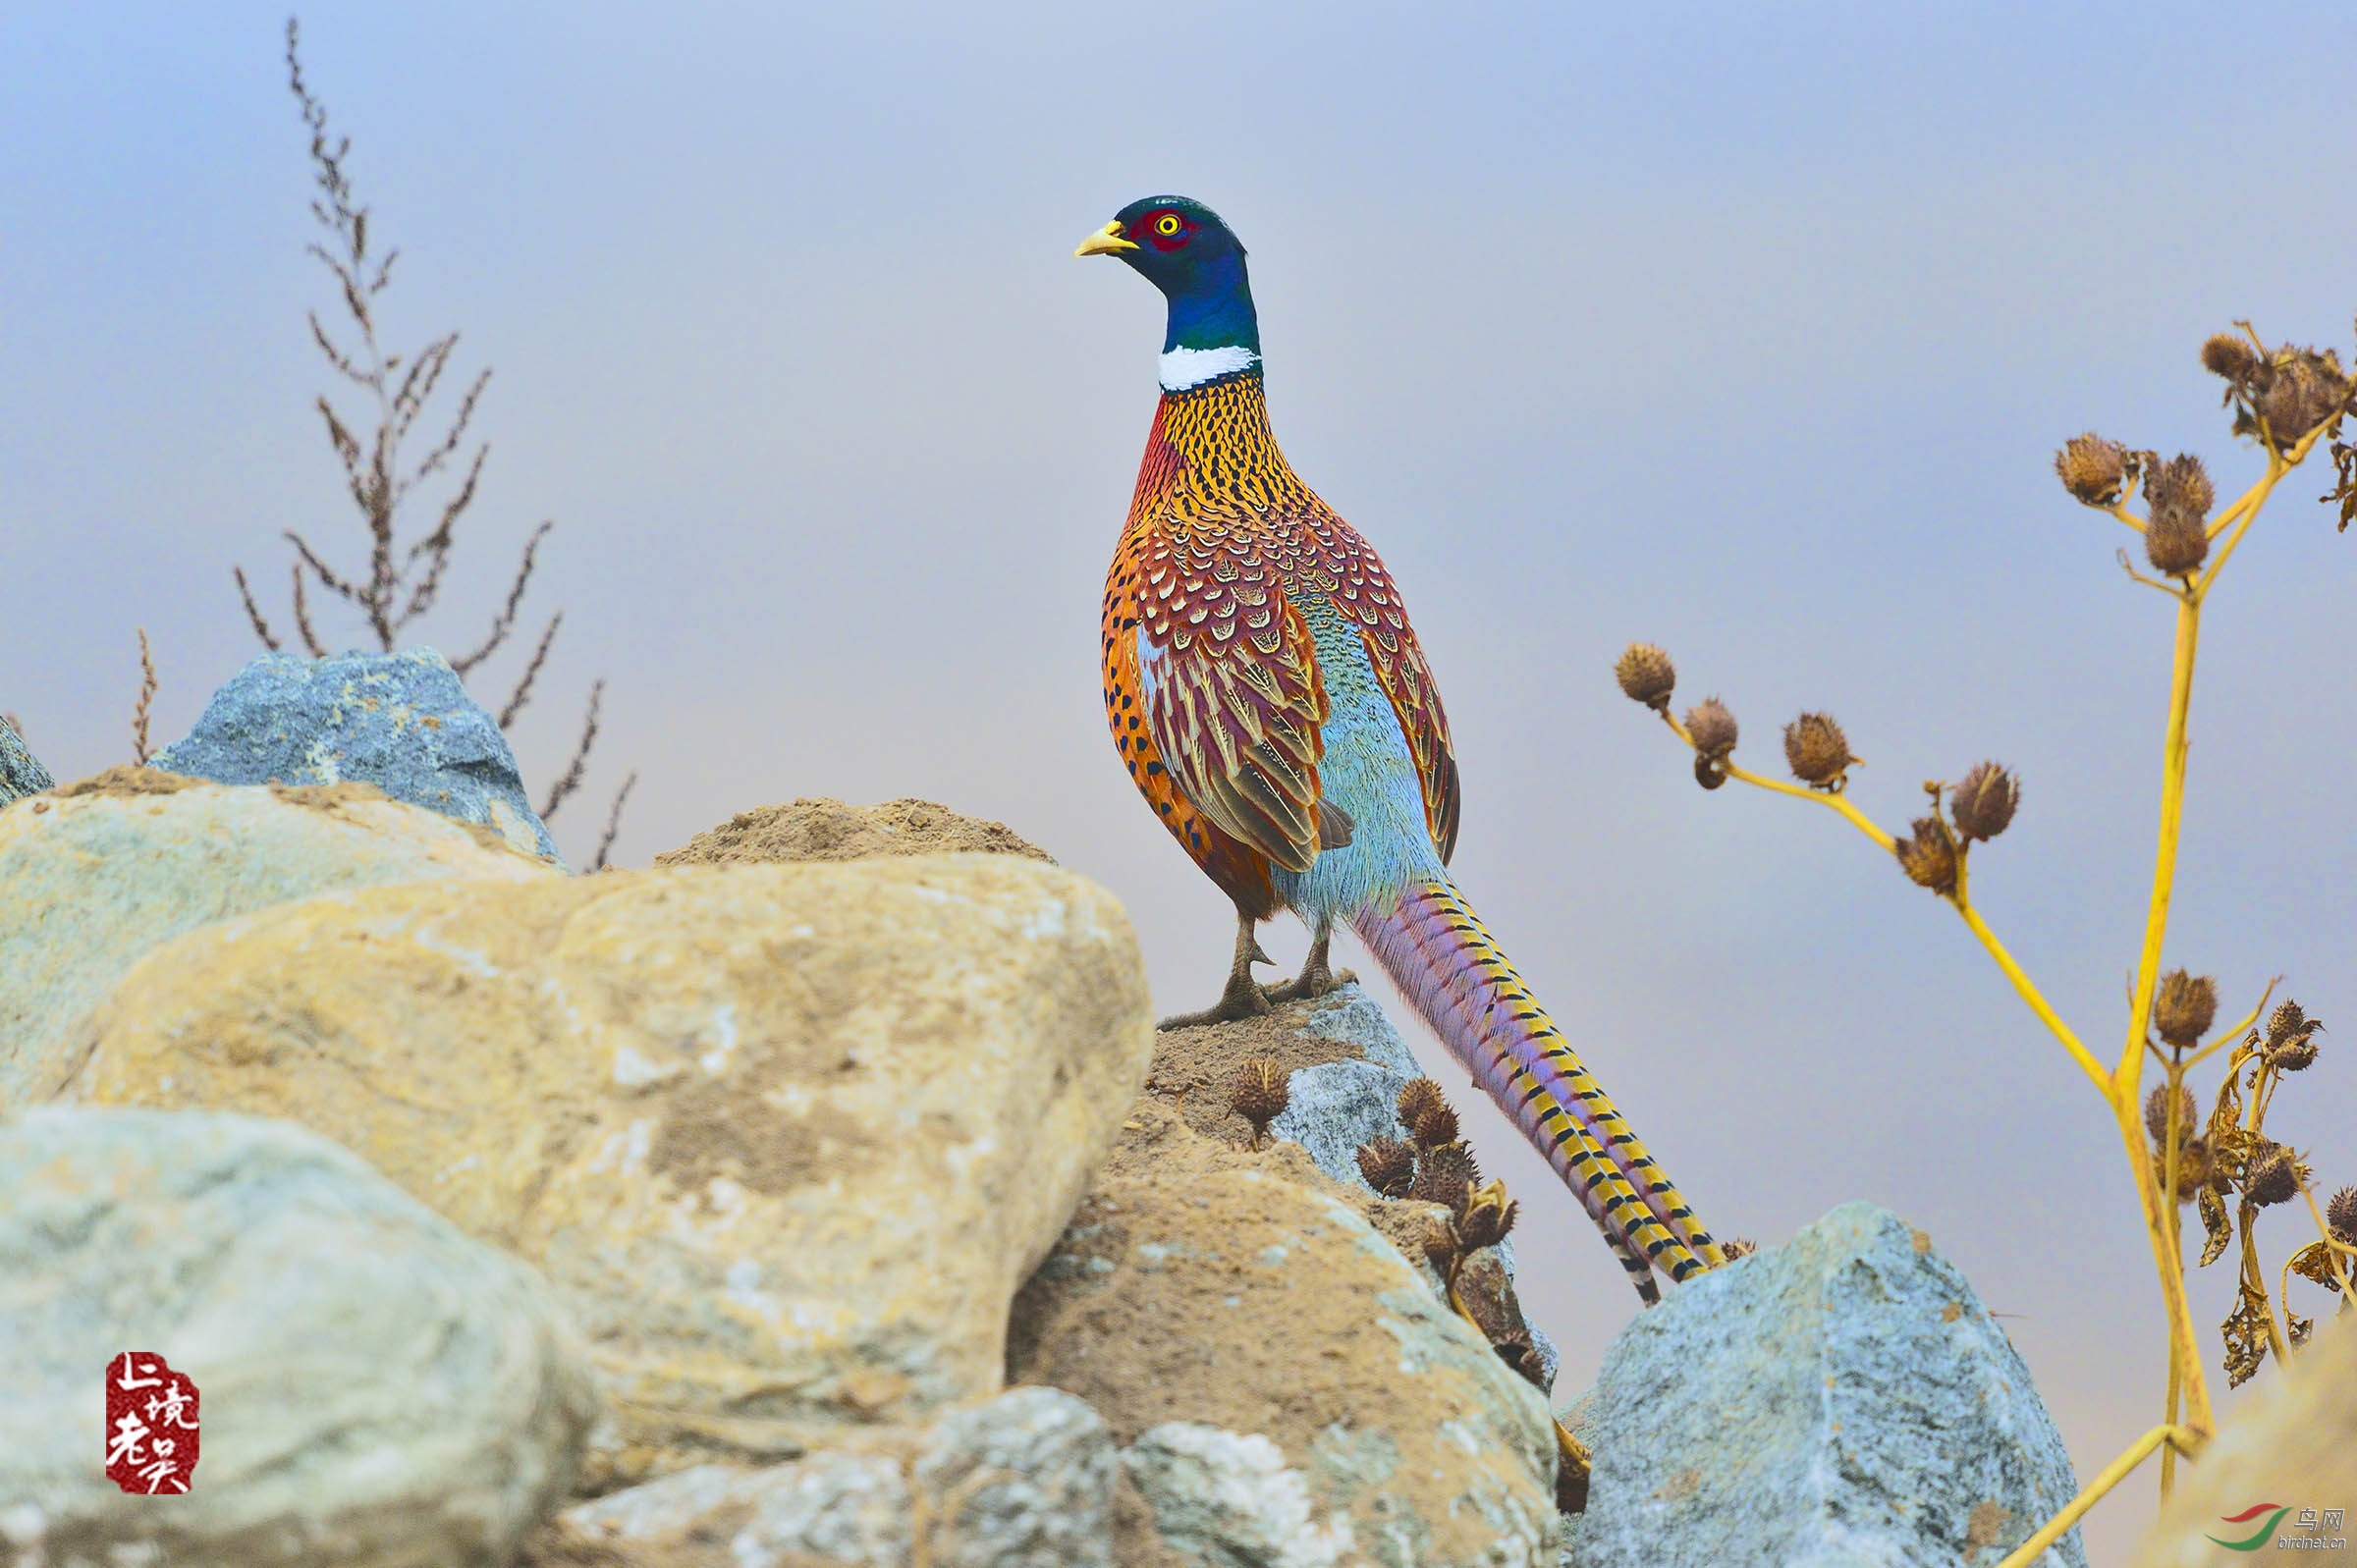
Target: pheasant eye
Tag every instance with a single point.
(1167, 223)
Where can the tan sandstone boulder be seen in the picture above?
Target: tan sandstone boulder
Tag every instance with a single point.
(96, 874)
(1287, 1386)
(787, 1138)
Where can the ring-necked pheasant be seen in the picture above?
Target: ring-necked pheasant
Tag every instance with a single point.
(1274, 708)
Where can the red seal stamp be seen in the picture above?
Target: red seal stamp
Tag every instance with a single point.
(151, 1426)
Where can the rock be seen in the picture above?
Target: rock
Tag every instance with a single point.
(398, 720)
(97, 874)
(373, 1388)
(1024, 1480)
(2292, 1443)
(1844, 1398)
(21, 772)
(1345, 1066)
(826, 828)
(785, 1139)
(1290, 1387)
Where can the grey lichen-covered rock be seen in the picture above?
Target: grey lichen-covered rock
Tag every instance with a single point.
(399, 720)
(96, 875)
(21, 772)
(1229, 1498)
(1024, 1479)
(376, 1391)
(1843, 1399)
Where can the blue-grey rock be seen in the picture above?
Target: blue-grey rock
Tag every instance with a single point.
(374, 1390)
(1843, 1402)
(21, 772)
(398, 720)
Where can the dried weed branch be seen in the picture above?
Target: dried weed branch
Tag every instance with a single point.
(2286, 400)
(393, 449)
(139, 715)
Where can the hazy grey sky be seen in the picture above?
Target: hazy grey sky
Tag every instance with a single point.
(1749, 331)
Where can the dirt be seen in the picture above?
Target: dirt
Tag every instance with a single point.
(128, 780)
(825, 829)
(1193, 1068)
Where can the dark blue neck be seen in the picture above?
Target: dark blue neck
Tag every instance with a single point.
(1211, 307)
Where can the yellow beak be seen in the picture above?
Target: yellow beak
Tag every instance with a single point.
(1106, 242)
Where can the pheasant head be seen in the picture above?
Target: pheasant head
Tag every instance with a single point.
(1183, 248)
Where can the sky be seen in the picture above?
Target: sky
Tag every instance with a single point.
(1749, 332)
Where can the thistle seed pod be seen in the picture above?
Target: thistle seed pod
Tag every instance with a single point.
(1646, 675)
(2092, 468)
(2184, 1007)
(1389, 1165)
(2272, 1177)
(1929, 858)
(2340, 1214)
(2180, 484)
(1446, 1175)
(1417, 1098)
(2156, 1117)
(1441, 1246)
(1489, 1215)
(1984, 801)
(1436, 1128)
(1712, 729)
(1817, 751)
(1734, 1247)
(2303, 390)
(2229, 354)
(1259, 1094)
(2291, 1038)
(2176, 542)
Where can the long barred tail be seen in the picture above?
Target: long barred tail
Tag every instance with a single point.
(1440, 956)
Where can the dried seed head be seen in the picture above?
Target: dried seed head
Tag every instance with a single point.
(1929, 858)
(1417, 1098)
(1734, 1247)
(2092, 468)
(1712, 729)
(2341, 1215)
(2272, 1177)
(2180, 484)
(1440, 1245)
(1259, 1094)
(1646, 675)
(1446, 1176)
(2176, 542)
(1817, 751)
(2291, 1038)
(2155, 1116)
(2192, 1169)
(2184, 1007)
(1389, 1165)
(1436, 1128)
(1489, 1214)
(2229, 354)
(1522, 1357)
(2299, 389)
(1984, 801)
